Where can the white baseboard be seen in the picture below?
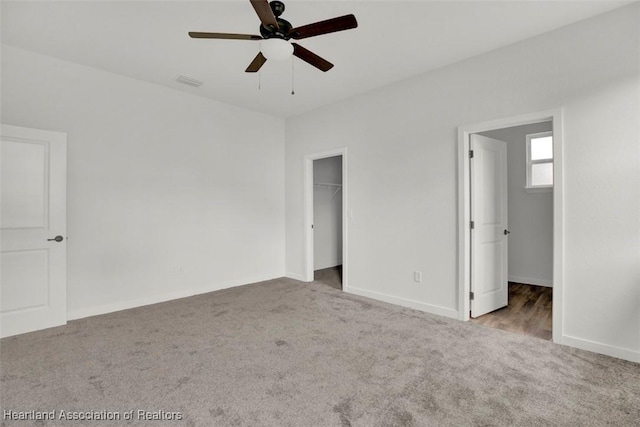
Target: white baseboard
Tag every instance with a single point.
(531, 281)
(596, 347)
(296, 276)
(428, 308)
(155, 299)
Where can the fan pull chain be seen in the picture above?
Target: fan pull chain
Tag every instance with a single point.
(292, 81)
(259, 79)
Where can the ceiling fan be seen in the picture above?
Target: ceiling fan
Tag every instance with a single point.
(276, 32)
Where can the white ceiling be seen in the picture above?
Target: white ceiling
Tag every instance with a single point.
(395, 40)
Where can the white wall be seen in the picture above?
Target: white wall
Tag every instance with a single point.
(402, 173)
(327, 213)
(530, 214)
(169, 194)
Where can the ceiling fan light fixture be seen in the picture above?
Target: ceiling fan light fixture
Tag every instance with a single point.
(276, 32)
(276, 49)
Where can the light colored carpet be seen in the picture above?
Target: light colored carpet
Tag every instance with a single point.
(286, 353)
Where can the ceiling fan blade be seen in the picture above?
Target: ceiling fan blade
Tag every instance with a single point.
(341, 23)
(197, 35)
(265, 13)
(257, 62)
(311, 58)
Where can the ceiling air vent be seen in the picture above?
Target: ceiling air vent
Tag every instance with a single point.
(188, 81)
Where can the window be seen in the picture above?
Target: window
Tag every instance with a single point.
(540, 161)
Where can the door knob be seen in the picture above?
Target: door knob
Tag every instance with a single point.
(57, 239)
(506, 232)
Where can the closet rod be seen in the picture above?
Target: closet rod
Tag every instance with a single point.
(327, 184)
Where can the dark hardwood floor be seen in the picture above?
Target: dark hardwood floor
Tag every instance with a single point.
(331, 276)
(528, 312)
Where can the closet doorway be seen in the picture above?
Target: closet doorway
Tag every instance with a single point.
(326, 219)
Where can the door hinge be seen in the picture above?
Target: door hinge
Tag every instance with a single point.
(311, 225)
(471, 296)
(471, 154)
(472, 225)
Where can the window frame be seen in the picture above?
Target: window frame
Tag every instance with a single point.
(528, 186)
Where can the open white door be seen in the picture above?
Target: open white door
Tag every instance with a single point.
(489, 235)
(33, 278)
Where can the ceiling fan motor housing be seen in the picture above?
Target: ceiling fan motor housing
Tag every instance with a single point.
(277, 7)
(283, 32)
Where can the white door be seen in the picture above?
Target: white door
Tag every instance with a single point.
(489, 235)
(33, 272)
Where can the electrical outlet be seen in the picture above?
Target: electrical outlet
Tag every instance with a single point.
(417, 276)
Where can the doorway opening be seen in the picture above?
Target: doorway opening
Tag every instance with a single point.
(527, 233)
(325, 206)
(327, 221)
(510, 224)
